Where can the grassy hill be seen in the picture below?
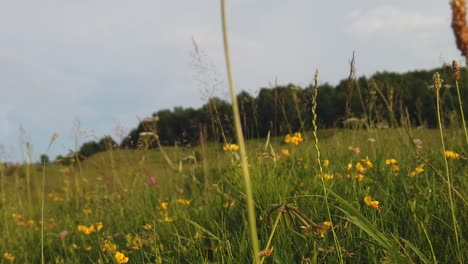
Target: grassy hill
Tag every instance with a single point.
(133, 202)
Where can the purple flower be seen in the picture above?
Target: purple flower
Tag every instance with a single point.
(151, 181)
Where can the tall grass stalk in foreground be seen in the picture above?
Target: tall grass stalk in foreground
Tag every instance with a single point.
(319, 162)
(52, 139)
(456, 77)
(240, 141)
(438, 85)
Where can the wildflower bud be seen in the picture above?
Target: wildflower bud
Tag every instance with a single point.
(456, 70)
(437, 81)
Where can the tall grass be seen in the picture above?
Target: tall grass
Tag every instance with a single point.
(358, 195)
(438, 85)
(240, 140)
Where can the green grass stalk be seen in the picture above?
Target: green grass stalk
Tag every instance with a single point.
(319, 162)
(28, 175)
(240, 140)
(438, 85)
(456, 76)
(54, 137)
(275, 225)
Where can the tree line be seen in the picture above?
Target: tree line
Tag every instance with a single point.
(383, 100)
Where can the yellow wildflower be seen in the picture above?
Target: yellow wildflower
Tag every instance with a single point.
(87, 230)
(360, 177)
(349, 169)
(298, 135)
(369, 202)
(99, 226)
(229, 204)
(326, 163)
(285, 152)
(147, 227)
(452, 155)
(183, 202)
(75, 246)
(82, 228)
(108, 246)
(135, 242)
(389, 162)
(163, 205)
(88, 248)
(419, 169)
(360, 168)
(9, 257)
(87, 211)
(367, 163)
(295, 139)
(322, 230)
(327, 176)
(120, 257)
(231, 147)
(395, 168)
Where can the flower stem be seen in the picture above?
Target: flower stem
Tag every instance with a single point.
(240, 140)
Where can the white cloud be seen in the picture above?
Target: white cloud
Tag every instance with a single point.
(390, 21)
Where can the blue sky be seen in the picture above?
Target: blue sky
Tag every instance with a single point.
(105, 64)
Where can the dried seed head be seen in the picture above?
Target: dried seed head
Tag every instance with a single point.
(459, 26)
(456, 70)
(437, 81)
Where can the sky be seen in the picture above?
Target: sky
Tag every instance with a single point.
(86, 69)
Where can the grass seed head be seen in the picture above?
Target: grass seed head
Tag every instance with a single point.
(437, 81)
(456, 70)
(459, 26)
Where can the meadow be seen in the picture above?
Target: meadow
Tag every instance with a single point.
(356, 194)
(132, 205)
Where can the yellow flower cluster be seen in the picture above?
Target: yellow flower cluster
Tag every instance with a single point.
(360, 167)
(326, 163)
(20, 221)
(135, 242)
(393, 165)
(183, 202)
(367, 163)
(231, 147)
(295, 139)
(108, 246)
(285, 152)
(419, 169)
(228, 204)
(371, 203)
(164, 213)
(120, 257)
(163, 206)
(9, 257)
(452, 155)
(322, 230)
(328, 176)
(88, 230)
(55, 197)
